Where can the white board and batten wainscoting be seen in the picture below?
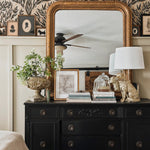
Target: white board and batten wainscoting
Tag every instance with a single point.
(13, 94)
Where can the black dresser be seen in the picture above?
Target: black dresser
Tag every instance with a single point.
(83, 126)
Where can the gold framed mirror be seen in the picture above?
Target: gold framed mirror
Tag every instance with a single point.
(103, 6)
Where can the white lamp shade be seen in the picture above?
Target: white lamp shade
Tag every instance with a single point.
(112, 71)
(129, 58)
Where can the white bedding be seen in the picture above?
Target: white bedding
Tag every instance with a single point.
(11, 141)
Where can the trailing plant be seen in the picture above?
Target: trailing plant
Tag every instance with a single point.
(36, 66)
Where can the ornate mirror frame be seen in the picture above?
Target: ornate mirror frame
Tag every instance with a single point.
(94, 5)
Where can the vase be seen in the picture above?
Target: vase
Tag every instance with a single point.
(37, 84)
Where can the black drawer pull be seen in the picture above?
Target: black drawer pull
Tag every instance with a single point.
(111, 143)
(70, 127)
(112, 112)
(42, 112)
(70, 112)
(139, 144)
(139, 112)
(70, 143)
(111, 127)
(42, 144)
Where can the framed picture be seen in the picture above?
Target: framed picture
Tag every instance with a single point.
(65, 81)
(2, 31)
(12, 28)
(136, 31)
(145, 25)
(41, 32)
(26, 25)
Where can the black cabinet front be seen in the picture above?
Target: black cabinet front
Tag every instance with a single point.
(63, 126)
(43, 135)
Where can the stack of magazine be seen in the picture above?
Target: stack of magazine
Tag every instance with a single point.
(79, 97)
(104, 97)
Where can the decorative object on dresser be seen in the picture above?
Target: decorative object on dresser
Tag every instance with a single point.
(79, 97)
(41, 31)
(145, 24)
(26, 25)
(34, 73)
(101, 83)
(128, 58)
(66, 81)
(104, 97)
(12, 28)
(2, 31)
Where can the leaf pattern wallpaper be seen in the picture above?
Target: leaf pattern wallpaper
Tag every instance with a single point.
(10, 9)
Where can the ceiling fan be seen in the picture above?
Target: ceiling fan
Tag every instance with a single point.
(60, 42)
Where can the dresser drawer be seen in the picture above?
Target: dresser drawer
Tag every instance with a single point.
(91, 127)
(90, 143)
(42, 112)
(138, 112)
(139, 134)
(92, 112)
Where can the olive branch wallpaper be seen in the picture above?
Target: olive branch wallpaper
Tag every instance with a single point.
(10, 9)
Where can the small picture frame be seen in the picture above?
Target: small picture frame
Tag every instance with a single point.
(12, 28)
(26, 25)
(145, 25)
(136, 31)
(41, 32)
(2, 31)
(65, 81)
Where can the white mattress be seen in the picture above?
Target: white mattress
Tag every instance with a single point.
(11, 141)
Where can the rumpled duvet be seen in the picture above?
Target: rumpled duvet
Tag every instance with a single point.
(11, 141)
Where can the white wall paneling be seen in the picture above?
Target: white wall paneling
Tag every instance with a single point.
(13, 94)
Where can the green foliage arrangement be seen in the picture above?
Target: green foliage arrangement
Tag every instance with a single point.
(35, 65)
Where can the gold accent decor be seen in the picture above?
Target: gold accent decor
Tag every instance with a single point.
(37, 84)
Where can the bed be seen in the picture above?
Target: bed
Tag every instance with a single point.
(11, 141)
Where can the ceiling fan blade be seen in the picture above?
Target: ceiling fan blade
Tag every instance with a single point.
(71, 38)
(78, 46)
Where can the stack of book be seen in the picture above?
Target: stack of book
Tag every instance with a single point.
(104, 97)
(79, 97)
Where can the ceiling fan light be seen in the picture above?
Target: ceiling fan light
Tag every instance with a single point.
(60, 48)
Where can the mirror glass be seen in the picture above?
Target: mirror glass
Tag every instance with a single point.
(102, 32)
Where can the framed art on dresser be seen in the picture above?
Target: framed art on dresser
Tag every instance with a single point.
(65, 81)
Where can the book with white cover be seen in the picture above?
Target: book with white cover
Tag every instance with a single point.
(78, 100)
(103, 101)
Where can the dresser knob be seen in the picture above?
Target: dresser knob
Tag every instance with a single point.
(139, 144)
(42, 112)
(111, 143)
(111, 127)
(70, 143)
(70, 112)
(112, 112)
(42, 144)
(139, 112)
(70, 127)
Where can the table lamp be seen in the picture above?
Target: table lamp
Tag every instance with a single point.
(113, 80)
(127, 58)
(112, 70)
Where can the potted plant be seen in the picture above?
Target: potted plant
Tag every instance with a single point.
(35, 74)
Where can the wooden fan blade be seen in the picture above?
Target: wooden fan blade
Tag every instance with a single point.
(77, 46)
(71, 38)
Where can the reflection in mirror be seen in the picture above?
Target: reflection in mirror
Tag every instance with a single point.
(102, 32)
